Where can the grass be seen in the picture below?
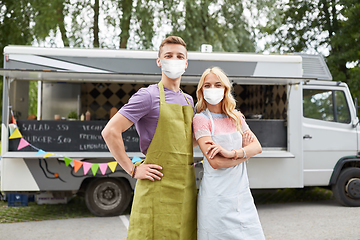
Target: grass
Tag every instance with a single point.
(76, 208)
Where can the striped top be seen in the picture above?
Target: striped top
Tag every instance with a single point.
(223, 124)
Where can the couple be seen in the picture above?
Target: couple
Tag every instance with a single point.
(165, 204)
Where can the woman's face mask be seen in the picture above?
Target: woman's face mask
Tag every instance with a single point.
(173, 68)
(213, 95)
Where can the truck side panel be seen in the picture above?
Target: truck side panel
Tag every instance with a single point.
(17, 176)
(328, 133)
(283, 169)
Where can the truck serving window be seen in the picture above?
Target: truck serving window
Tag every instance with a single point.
(326, 105)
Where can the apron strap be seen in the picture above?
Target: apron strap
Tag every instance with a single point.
(185, 97)
(212, 121)
(162, 93)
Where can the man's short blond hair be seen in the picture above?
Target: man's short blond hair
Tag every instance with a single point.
(172, 40)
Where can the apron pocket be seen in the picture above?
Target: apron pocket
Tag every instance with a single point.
(173, 183)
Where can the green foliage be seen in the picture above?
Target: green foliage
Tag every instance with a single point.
(26, 22)
(33, 94)
(72, 115)
(14, 28)
(220, 24)
(76, 208)
(315, 26)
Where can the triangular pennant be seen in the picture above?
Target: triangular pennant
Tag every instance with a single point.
(136, 159)
(15, 134)
(103, 168)
(23, 143)
(13, 119)
(94, 168)
(86, 167)
(48, 155)
(112, 165)
(77, 165)
(67, 161)
(40, 152)
(12, 128)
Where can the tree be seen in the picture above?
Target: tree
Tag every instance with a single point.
(125, 7)
(14, 27)
(49, 16)
(220, 24)
(96, 23)
(332, 25)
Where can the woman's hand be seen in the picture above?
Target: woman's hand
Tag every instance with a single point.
(247, 138)
(148, 171)
(214, 149)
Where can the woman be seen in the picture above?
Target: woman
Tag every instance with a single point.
(226, 208)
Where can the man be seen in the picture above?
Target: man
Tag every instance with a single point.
(164, 205)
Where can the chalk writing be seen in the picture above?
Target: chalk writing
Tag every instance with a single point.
(69, 136)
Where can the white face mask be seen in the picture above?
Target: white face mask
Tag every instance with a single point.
(214, 95)
(173, 68)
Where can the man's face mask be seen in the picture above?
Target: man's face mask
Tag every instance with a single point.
(173, 68)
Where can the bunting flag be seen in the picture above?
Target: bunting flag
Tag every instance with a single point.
(13, 120)
(23, 143)
(15, 134)
(86, 167)
(12, 128)
(40, 152)
(136, 159)
(67, 161)
(77, 165)
(48, 155)
(103, 167)
(94, 168)
(112, 165)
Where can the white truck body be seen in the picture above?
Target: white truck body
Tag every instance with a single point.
(277, 93)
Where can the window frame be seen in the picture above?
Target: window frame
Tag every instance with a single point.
(334, 104)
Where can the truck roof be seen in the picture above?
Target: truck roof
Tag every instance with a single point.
(76, 64)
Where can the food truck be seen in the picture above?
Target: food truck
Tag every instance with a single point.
(306, 123)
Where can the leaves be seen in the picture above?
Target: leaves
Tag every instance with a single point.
(211, 22)
(331, 27)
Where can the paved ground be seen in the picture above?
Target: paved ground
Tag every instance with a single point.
(109, 228)
(323, 220)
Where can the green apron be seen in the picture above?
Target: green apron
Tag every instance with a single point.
(166, 209)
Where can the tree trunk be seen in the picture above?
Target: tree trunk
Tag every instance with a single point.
(60, 22)
(96, 24)
(126, 9)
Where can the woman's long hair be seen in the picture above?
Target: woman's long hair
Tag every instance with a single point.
(228, 103)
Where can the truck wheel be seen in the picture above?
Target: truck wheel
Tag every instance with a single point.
(347, 188)
(108, 196)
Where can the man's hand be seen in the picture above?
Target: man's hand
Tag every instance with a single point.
(148, 171)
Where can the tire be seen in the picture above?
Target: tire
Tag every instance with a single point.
(108, 196)
(347, 188)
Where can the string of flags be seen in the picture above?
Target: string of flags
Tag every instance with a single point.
(15, 134)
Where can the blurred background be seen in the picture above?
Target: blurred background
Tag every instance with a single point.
(327, 27)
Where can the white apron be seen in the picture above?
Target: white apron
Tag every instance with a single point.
(226, 208)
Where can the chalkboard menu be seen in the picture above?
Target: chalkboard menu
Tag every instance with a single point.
(69, 136)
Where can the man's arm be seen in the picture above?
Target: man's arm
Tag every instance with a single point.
(112, 134)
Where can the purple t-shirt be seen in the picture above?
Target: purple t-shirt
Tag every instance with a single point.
(143, 110)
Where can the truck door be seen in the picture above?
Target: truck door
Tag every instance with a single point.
(327, 130)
